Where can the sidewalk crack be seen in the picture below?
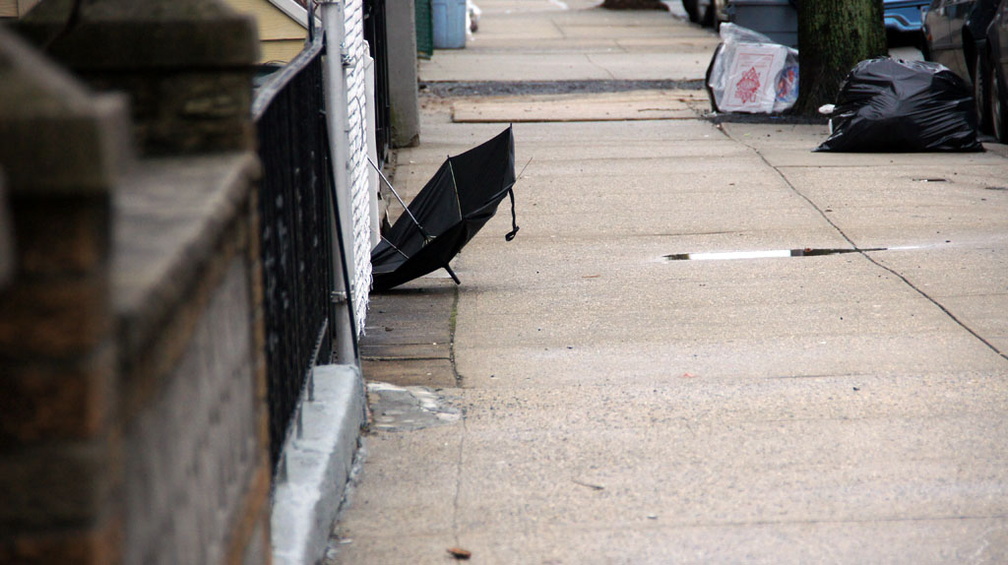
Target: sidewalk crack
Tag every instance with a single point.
(458, 484)
(452, 322)
(863, 252)
(946, 311)
(590, 59)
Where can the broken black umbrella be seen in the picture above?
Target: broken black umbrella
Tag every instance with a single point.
(447, 212)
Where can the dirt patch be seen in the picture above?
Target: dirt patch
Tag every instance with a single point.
(493, 88)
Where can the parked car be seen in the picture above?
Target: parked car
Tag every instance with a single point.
(776, 19)
(955, 32)
(997, 64)
(904, 16)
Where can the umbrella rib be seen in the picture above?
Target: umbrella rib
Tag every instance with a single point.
(423, 231)
(451, 168)
(525, 167)
(392, 245)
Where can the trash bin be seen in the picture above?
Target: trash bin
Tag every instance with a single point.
(424, 29)
(449, 23)
(777, 19)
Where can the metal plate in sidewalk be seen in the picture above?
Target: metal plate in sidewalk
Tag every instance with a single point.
(581, 107)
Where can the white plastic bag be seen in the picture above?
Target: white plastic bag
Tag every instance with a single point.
(750, 73)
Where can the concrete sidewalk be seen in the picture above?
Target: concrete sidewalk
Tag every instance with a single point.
(584, 397)
(541, 40)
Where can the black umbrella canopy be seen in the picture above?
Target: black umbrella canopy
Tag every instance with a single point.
(447, 212)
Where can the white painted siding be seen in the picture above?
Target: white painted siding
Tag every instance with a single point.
(357, 152)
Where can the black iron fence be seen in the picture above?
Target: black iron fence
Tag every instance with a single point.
(295, 218)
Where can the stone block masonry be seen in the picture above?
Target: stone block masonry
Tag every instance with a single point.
(133, 424)
(59, 438)
(186, 66)
(193, 392)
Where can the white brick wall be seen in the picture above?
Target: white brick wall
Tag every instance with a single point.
(357, 167)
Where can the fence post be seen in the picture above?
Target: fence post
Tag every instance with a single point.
(333, 18)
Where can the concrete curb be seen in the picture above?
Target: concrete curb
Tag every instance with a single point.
(318, 456)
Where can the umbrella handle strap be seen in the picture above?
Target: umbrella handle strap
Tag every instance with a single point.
(514, 222)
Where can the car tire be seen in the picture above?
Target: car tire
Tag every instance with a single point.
(981, 92)
(998, 104)
(691, 10)
(710, 17)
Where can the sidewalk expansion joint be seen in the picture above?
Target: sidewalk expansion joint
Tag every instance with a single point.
(447, 89)
(392, 359)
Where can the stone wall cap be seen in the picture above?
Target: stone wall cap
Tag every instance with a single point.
(55, 134)
(192, 200)
(126, 34)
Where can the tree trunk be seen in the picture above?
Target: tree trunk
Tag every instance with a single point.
(833, 36)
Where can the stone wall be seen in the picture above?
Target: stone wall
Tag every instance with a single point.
(133, 420)
(60, 438)
(196, 471)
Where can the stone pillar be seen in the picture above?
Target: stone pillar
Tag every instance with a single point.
(60, 446)
(400, 33)
(186, 65)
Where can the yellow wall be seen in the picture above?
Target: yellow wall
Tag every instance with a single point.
(16, 8)
(280, 51)
(281, 37)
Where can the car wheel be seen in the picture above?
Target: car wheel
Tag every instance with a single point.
(710, 17)
(997, 104)
(981, 81)
(691, 10)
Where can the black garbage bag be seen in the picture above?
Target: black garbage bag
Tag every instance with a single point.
(891, 105)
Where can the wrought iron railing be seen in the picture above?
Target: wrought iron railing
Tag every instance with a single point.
(296, 218)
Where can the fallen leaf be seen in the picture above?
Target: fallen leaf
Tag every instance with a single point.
(459, 553)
